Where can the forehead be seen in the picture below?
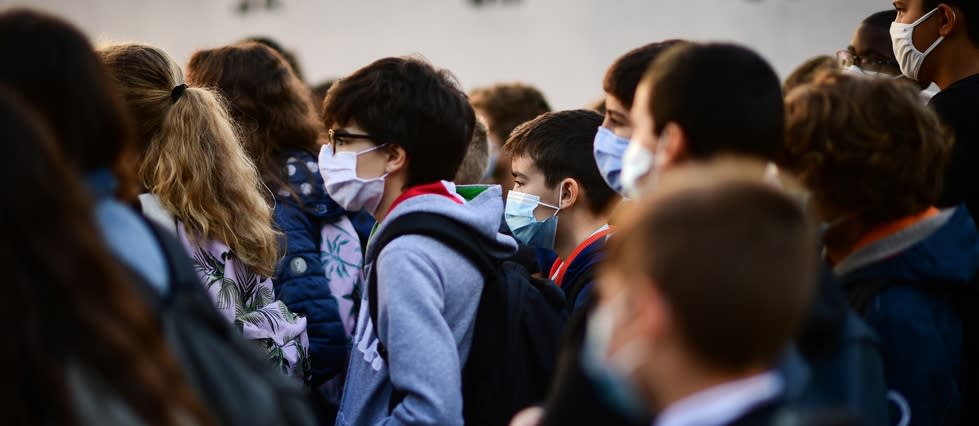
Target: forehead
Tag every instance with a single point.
(871, 40)
(525, 165)
(640, 106)
(613, 103)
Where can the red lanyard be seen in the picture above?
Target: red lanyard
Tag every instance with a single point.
(559, 264)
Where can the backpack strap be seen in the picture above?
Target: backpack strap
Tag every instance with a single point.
(448, 231)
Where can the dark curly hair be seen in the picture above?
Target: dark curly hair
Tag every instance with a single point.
(409, 103)
(864, 145)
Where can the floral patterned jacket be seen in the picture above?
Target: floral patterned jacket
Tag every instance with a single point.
(245, 299)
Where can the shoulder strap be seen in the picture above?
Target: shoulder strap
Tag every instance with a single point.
(444, 229)
(438, 227)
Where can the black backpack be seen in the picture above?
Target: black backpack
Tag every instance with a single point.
(231, 376)
(517, 333)
(964, 299)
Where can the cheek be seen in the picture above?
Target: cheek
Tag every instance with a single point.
(624, 132)
(370, 167)
(926, 33)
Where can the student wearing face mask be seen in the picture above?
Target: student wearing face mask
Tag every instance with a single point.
(559, 201)
(395, 156)
(619, 84)
(938, 42)
(698, 343)
(870, 52)
(684, 112)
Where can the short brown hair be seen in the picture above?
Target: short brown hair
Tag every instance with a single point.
(506, 106)
(866, 145)
(474, 164)
(267, 100)
(738, 283)
(809, 71)
(624, 75)
(738, 111)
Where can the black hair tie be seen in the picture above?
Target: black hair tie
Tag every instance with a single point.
(177, 92)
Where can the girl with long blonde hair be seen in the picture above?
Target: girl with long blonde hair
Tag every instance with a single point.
(203, 185)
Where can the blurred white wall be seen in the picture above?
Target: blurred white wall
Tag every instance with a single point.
(561, 46)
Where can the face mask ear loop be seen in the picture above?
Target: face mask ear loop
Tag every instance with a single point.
(560, 195)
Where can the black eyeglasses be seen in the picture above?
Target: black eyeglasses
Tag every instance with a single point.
(866, 63)
(340, 137)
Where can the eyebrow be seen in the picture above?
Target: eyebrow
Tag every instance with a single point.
(618, 115)
(518, 175)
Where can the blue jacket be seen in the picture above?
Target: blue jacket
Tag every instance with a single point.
(582, 268)
(300, 281)
(921, 334)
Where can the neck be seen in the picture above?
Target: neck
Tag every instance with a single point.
(841, 240)
(394, 186)
(684, 378)
(574, 227)
(965, 63)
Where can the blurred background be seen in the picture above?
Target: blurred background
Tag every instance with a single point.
(561, 46)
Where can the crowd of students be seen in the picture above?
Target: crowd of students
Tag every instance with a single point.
(220, 243)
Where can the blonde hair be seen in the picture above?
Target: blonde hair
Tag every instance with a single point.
(192, 158)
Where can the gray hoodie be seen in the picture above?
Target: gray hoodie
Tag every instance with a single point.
(427, 298)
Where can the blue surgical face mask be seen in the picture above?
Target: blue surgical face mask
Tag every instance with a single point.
(609, 149)
(610, 374)
(519, 216)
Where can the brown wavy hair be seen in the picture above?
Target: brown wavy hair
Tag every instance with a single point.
(866, 146)
(192, 157)
(72, 305)
(269, 103)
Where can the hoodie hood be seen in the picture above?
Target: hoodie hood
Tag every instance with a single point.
(478, 206)
(942, 248)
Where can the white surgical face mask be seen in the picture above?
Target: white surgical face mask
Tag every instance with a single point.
(344, 186)
(638, 161)
(908, 56)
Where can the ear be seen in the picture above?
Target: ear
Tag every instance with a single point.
(653, 316)
(948, 19)
(397, 159)
(570, 193)
(672, 148)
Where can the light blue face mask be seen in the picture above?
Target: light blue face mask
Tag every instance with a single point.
(609, 149)
(614, 385)
(519, 216)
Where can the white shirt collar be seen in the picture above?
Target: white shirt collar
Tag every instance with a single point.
(722, 404)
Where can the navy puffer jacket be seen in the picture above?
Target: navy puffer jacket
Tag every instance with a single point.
(300, 281)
